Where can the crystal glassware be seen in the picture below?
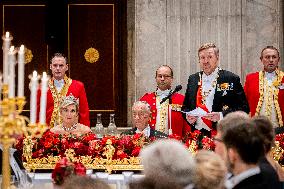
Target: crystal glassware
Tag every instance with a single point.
(111, 129)
(99, 128)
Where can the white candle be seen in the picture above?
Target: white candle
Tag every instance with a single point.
(11, 73)
(44, 81)
(33, 105)
(6, 45)
(21, 70)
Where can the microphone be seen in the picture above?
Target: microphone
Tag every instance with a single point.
(178, 88)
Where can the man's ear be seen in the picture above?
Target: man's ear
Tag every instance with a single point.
(67, 67)
(232, 154)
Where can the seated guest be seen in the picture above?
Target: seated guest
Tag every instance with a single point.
(210, 170)
(267, 164)
(148, 183)
(244, 150)
(76, 182)
(170, 161)
(68, 109)
(141, 115)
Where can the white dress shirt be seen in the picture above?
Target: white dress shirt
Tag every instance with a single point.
(235, 180)
(207, 85)
(146, 131)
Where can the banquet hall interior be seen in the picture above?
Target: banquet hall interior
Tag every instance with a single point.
(114, 47)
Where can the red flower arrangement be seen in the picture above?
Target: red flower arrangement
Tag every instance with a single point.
(64, 168)
(198, 141)
(280, 138)
(56, 144)
(125, 146)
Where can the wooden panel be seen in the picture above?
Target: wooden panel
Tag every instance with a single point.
(26, 24)
(96, 26)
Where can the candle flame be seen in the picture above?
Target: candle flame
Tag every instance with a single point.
(22, 48)
(34, 74)
(7, 35)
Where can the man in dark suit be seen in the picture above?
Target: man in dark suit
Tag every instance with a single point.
(214, 90)
(244, 149)
(141, 115)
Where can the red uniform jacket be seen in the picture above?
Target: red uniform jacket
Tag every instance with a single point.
(252, 91)
(78, 90)
(179, 125)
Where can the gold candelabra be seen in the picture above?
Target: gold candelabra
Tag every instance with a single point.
(12, 126)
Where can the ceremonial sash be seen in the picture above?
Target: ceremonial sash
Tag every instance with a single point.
(203, 106)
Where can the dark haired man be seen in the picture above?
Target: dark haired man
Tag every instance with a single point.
(265, 89)
(60, 86)
(162, 119)
(244, 150)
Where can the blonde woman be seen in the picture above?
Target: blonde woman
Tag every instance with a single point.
(69, 111)
(210, 170)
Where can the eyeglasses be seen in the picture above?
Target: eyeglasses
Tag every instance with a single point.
(217, 139)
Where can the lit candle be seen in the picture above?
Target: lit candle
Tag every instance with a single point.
(6, 45)
(21, 71)
(11, 73)
(44, 81)
(33, 87)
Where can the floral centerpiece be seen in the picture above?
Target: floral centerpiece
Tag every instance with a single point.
(196, 140)
(109, 153)
(278, 150)
(51, 144)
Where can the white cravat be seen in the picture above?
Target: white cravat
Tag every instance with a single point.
(146, 131)
(207, 81)
(161, 94)
(59, 84)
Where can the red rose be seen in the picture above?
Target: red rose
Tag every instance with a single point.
(79, 169)
(135, 151)
(121, 154)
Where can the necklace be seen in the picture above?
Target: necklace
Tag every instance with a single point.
(73, 127)
(205, 94)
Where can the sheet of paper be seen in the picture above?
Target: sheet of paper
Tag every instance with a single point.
(197, 112)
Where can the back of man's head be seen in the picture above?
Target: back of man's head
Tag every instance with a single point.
(265, 129)
(168, 160)
(231, 118)
(243, 137)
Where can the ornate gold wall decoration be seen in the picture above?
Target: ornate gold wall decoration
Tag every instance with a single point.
(92, 55)
(28, 55)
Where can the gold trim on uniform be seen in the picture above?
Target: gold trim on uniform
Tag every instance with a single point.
(57, 96)
(163, 112)
(272, 95)
(176, 107)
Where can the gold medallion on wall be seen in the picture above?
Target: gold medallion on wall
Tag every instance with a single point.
(92, 55)
(28, 55)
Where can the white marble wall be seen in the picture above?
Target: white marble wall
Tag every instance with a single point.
(171, 31)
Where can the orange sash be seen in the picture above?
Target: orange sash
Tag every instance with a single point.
(203, 106)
